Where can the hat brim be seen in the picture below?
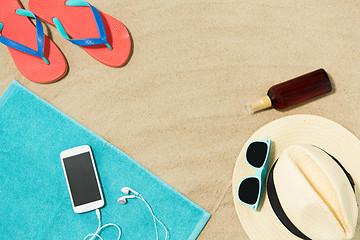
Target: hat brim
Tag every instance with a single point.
(283, 132)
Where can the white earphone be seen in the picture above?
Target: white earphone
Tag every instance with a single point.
(127, 190)
(123, 200)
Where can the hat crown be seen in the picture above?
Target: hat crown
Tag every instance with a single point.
(314, 191)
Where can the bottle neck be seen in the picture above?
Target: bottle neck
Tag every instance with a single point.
(262, 103)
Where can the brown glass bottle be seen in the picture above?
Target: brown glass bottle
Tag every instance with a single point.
(294, 91)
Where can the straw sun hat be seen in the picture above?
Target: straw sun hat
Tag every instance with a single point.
(312, 188)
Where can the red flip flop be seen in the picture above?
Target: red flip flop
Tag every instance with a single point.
(34, 54)
(103, 37)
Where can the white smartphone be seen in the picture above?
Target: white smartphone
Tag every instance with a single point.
(82, 179)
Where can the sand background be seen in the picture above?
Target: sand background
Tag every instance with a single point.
(177, 106)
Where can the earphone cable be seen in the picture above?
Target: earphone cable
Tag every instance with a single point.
(96, 234)
(154, 217)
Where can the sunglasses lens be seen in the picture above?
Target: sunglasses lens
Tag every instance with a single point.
(249, 190)
(256, 153)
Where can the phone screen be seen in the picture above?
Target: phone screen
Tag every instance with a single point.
(81, 178)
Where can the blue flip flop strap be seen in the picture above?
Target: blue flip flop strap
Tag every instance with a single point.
(39, 37)
(99, 24)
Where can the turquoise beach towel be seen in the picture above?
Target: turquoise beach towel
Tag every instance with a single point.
(34, 198)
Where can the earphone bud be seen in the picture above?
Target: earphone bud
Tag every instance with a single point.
(127, 190)
(122, 200)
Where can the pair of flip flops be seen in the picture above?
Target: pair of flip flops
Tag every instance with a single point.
(38, 59)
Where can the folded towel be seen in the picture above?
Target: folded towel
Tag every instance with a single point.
(34, 199)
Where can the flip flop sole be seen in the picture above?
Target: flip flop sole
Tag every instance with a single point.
(79, 23)
(20, 29)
